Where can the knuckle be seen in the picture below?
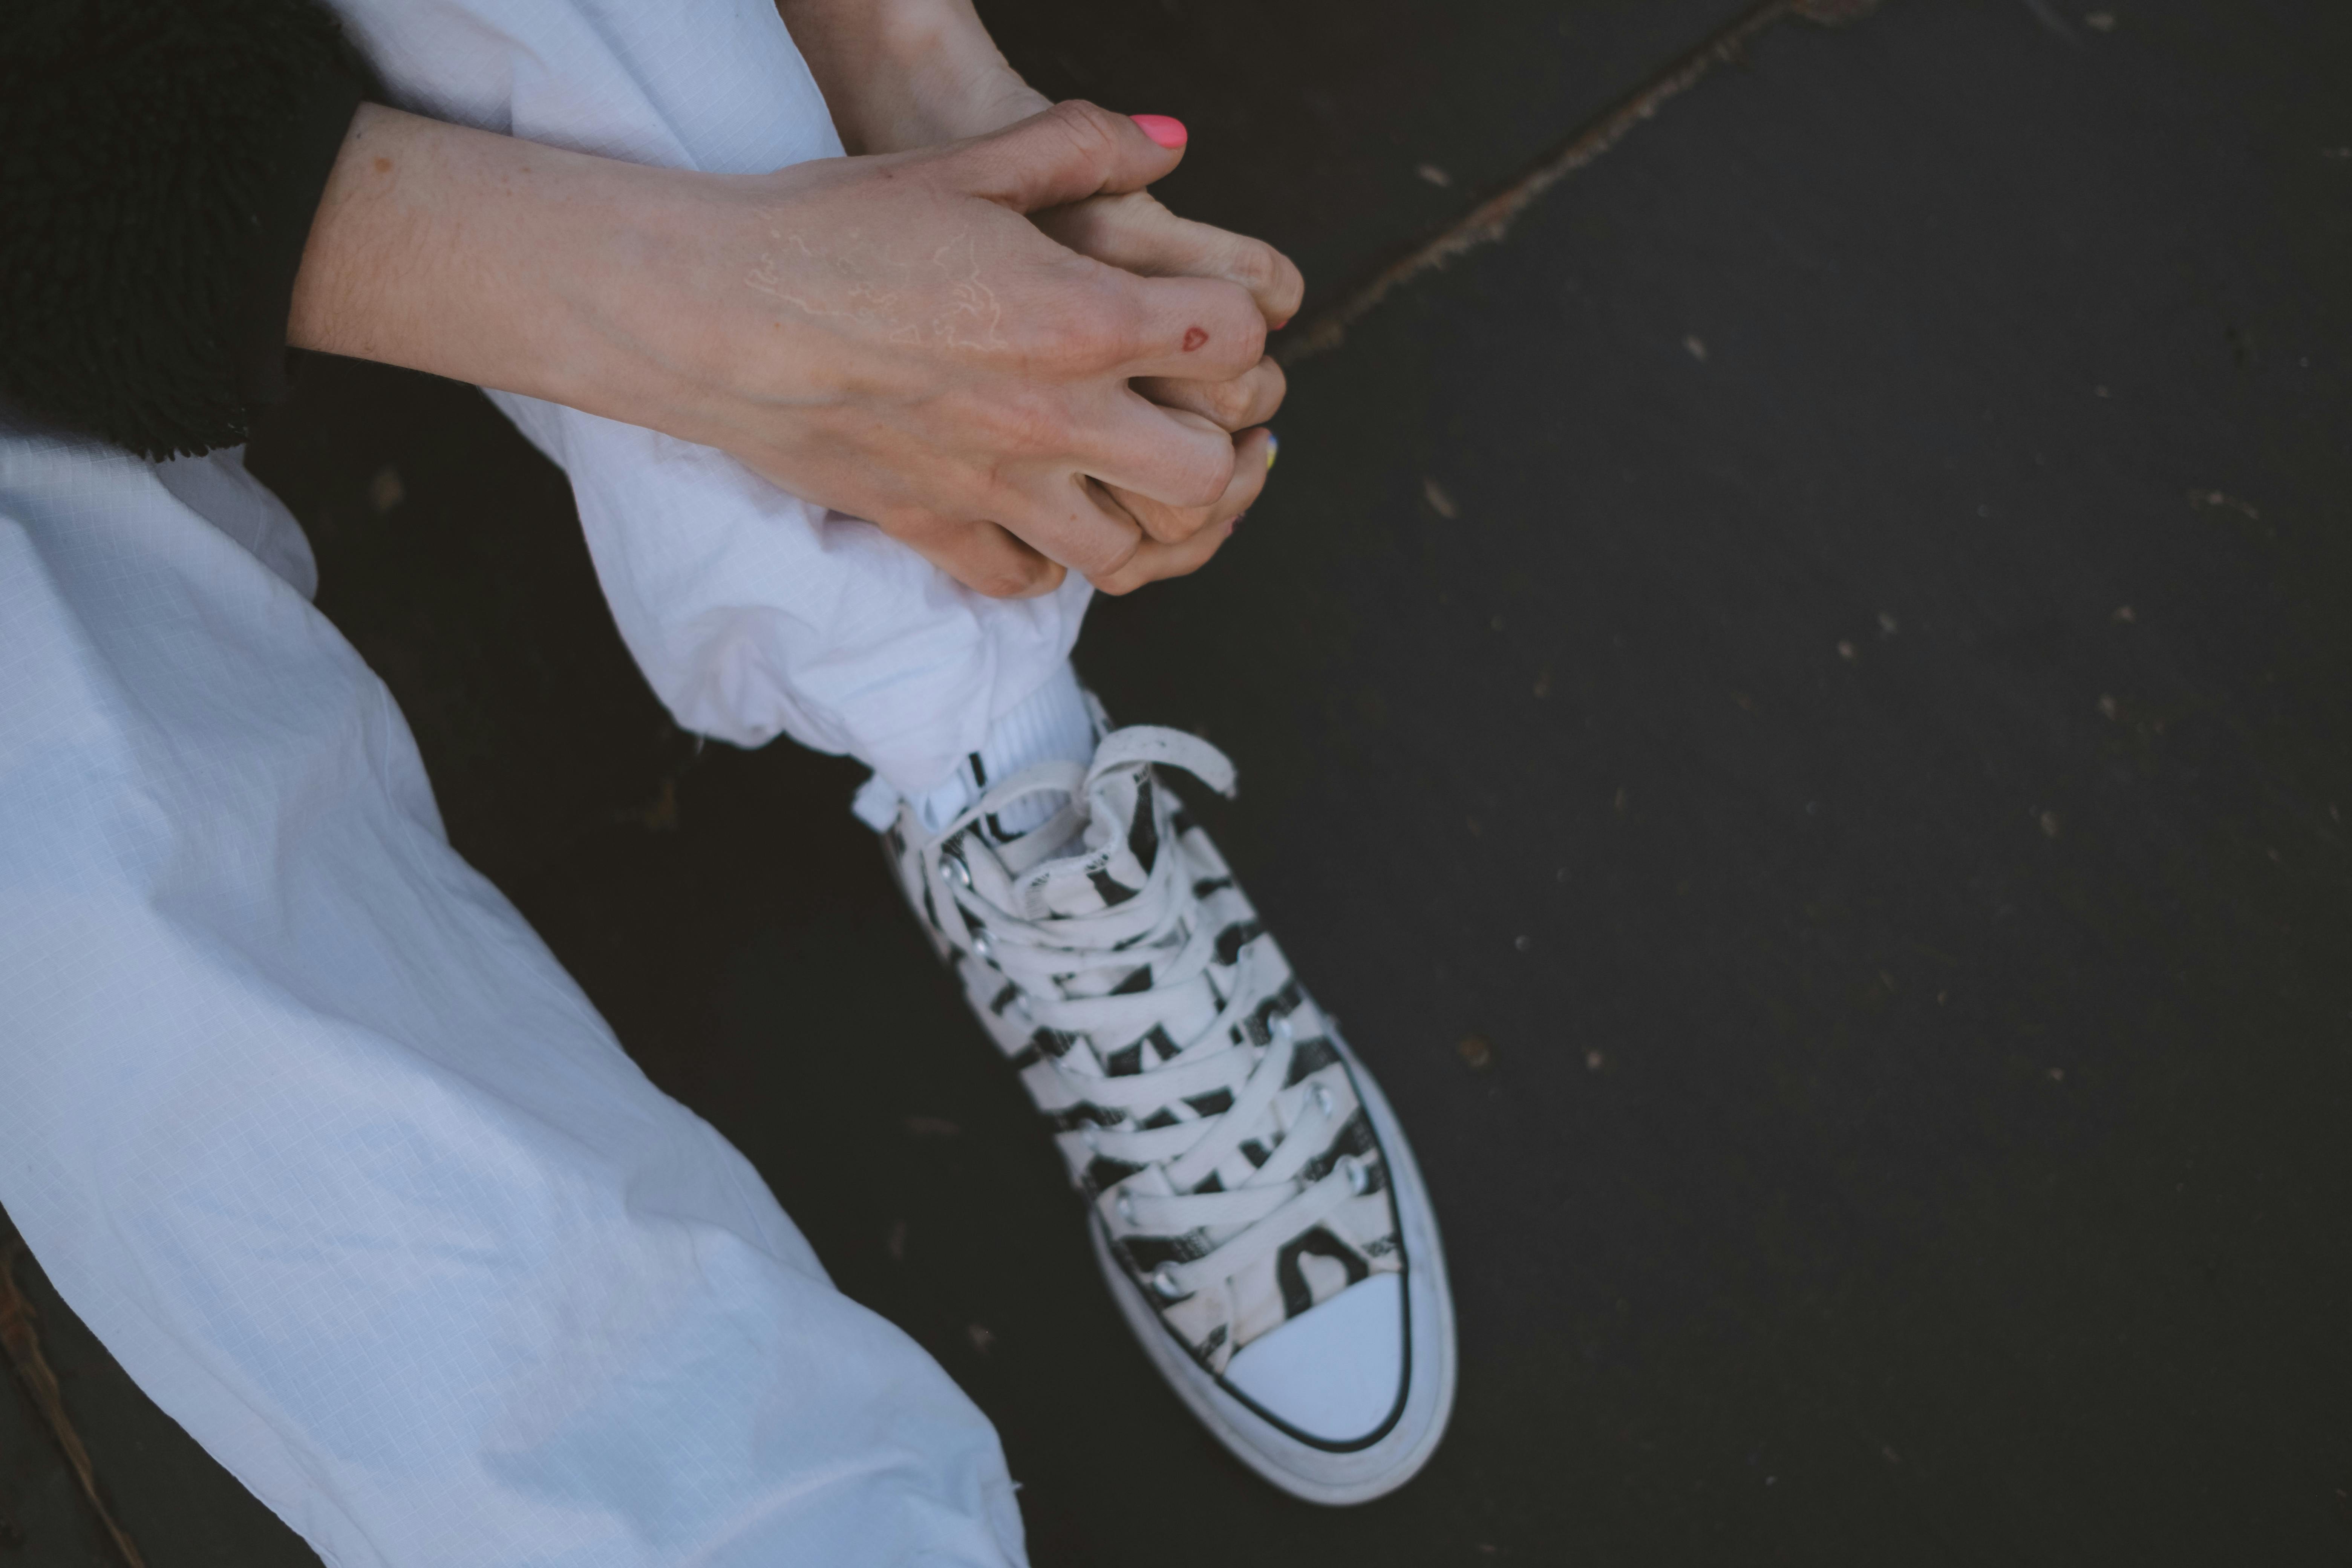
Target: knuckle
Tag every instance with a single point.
(1089, 329)
(1210, 473)
(1090, 128)
(1255, 266)
(1247, 344)
(1050, 350)
(1117, 324)
(1107, 556)
(1168, 525)
(1231, 403)
(1026, 422)
(1011, 579)
(1126, 580)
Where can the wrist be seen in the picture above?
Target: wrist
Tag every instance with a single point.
(903, 74)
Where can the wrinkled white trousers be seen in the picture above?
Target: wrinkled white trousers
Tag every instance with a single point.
(752, 611)
(298, 1113)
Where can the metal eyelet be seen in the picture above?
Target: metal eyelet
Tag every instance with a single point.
(1163, 1282)
(1093, 1139)
(982, 945)
(1323, 1101)
(1359, 1175)
(1126, 1208)
(1282, 1027)
(958, 872)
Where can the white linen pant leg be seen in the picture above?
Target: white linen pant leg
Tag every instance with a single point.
(307, 1124)
(751, 613)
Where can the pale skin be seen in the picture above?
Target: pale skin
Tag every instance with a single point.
(887, 335)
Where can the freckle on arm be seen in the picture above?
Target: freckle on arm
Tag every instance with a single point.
(384, 166)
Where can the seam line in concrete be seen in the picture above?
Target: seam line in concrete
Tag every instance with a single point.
(20, 1340)
(1491, 219)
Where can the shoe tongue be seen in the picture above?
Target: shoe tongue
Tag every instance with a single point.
(1105, 866)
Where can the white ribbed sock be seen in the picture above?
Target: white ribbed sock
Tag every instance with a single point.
(1053, 723)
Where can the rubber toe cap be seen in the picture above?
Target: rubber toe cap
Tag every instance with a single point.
(1334, 1373)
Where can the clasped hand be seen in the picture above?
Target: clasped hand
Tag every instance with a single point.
(890, 336)
(895, 338)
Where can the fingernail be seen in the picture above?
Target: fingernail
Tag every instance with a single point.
(1236, 521)
(1273, 447)
(1280, 324)
(1167, 132)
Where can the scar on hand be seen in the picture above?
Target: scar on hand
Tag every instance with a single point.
(1194, 337)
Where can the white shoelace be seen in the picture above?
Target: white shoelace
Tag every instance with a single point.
(1067, 972)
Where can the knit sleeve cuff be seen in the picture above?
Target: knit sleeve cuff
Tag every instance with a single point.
(161, 162)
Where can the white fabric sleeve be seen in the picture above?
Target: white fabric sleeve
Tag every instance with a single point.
(315, 1134)
(752, 611)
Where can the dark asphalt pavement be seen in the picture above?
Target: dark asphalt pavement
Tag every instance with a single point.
(1794, 706)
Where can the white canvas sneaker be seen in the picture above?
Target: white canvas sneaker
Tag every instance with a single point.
(1255, 1207)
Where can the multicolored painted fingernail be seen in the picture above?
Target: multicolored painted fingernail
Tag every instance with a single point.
(1169, 133)
(1273, 447)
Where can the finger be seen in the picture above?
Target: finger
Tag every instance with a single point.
(1070, 521)
(1173, 525)
(1133, 231)
(1156, 562)
(1250, 398)
(1200, 328)
(1068, 153)
(1171, 455)
(985, 558)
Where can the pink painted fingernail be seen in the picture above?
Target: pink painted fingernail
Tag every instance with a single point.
(1169, 133)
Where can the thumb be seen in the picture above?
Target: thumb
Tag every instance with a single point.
(1070, 152)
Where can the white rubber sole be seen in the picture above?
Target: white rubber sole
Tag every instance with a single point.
(1321, 1474)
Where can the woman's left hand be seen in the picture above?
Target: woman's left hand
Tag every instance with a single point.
(900, 75)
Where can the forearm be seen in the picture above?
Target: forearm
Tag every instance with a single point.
(489, 259)
(900, 74)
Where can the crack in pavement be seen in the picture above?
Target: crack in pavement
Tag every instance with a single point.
(20, 1342)
(1491, 219)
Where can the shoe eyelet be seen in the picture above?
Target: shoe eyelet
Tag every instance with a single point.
(1323, 1101)
(1282, 1027)
(1164, 1283)
(1126, 1208)
(1093, 1140)
(1359, 1175)
(982, 945)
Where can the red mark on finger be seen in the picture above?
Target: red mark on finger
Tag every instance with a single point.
(1194, 337)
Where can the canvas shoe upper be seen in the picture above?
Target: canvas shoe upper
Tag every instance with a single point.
(1255, 1206)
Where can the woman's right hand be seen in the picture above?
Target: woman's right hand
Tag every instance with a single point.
(888, 336)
